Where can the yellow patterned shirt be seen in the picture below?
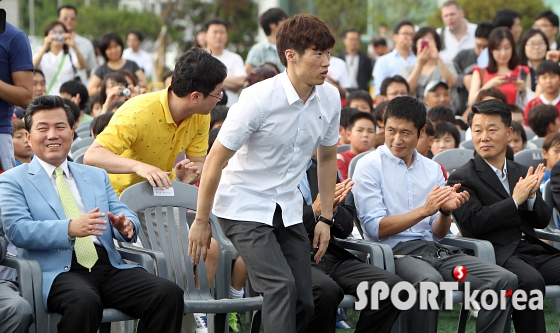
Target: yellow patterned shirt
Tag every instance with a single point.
(143, 130)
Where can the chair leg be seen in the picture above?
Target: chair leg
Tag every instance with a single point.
(220, 323)
(463, 316)
(256, 322)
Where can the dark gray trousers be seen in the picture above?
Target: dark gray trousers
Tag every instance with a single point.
(481, 275)
(277, 260)
(16, 315)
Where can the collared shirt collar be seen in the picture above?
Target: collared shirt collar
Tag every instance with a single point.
(502, 174)
(387, 152)
(49, 168)
(164, 99)
(291, 92)
(546, 102)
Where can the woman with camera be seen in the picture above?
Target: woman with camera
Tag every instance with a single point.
(59, 58)
(114, 88)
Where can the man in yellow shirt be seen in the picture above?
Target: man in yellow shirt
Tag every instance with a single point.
(148, 132)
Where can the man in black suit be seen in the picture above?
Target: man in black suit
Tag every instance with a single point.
(505, 206)
(358, 63)
(339, 272)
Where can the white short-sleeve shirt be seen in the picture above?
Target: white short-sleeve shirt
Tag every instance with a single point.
(235, 67)
(274, 133)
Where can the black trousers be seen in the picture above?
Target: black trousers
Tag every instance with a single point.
(80, 296)
(332, 278)
(535, 268)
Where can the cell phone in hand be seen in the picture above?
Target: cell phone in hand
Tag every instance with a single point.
(424, 45)
(511, 78)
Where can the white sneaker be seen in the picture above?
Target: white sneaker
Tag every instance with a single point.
(201, 323)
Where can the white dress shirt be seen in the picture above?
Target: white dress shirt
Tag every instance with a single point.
(49, 169)
(339, 72)
(141, 58)
(390, 65)
(385, 186)
(454, 45)
(274, 133)
(353, 62)
(235, 67)
(503, 177)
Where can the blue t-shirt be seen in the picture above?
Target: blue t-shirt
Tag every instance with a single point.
(15, 56)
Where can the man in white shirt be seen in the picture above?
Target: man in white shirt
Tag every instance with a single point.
(268, 138)
(216, 39)
(134, 53)
(547, 22)
(68, 15)
(457, 34)
(338, 76)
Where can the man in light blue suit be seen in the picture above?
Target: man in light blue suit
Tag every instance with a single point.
(65, 216)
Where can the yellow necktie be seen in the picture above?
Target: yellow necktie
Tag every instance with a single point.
(86, 255)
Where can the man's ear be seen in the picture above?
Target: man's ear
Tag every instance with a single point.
(195, 97)
(291, 56)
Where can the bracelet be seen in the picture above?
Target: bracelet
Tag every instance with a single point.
(444, 213)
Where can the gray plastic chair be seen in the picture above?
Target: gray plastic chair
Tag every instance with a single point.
(462, 134)
(554, 240)
(529, 133)
(538, 142)
(529, 157)
(173, 242)
(83, 126)
(468, 144)
(354, 161)
(85, 142)
(453, 159)
(24, 280)
(342, 148)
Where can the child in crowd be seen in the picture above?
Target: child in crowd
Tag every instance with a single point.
(446, 137)
(217, 116)
(548, 79)
(94, 107)
(361, 134)
(361, 100)
(378, 114)
(441, 114)
(551, 154)
(99, 123)
(345, 114)
(516, 113)
(518, 137)
(425, 142)
(77, 93)
(22, 149)
(543, 119)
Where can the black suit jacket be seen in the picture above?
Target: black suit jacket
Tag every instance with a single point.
(490, 214)
(365, 69)
(555, 184)
(343, 220)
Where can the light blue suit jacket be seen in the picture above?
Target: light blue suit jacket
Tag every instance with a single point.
(35, 222)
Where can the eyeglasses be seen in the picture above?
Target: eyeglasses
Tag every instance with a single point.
(219, 97)
(71, 17)
(541, 26)
(408, 34)
(535, 44)
(58, 32)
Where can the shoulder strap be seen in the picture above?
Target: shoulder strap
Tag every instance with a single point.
(53, 80)
(72, 63)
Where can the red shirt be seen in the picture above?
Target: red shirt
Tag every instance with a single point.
(343, 162)
(536, 101)
(508, 89)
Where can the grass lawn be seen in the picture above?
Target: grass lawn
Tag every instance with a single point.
(448, 320)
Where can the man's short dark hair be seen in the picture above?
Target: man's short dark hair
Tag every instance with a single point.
(75, 109)
(548, 66)
(74, 88)
(47, 102)
(393, 79)
(197, 70)
(506, 17)
(217, 114)
(540, 117)
(360, 94)
(215, 20)
(138, 34)
(67, 7)
(271, 16)
(378, 41)
(358, 116)
(484, 29)
(550, 16)
(514, 108)
(300, 32)
(441, 113)
(407, 108)
(518, 129)
(444, 127)
(106, 40)
(350, 30)
(99, 123)
(492, 107)
(401, 24)
(345, 114)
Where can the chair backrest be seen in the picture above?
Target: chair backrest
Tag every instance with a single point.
(529, 157)
(462, 134)
(453, 159)
(169, 231)
(538, 142)
(354, 161)
(468, 144)
(342, 148)
(79, 158)
(84, 133)
(529, 132)
(549, 199)
(85, 142)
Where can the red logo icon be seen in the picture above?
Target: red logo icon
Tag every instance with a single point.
(508, 293)
(460, 273)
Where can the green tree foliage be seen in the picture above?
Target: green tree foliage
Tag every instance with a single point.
(484, 10)
(341, 16)
(391, 12)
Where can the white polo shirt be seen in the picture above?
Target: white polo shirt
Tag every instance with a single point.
(453, 45)
(274, 133)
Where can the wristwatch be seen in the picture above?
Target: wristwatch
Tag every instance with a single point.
(445, 213)
(323, 219)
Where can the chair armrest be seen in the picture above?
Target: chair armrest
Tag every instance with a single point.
(548, 235)
(482, 249)
(131, 251)
(375, 251)
(24, 278)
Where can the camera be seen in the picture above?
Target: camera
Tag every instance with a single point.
(59, 38)
(125, 92)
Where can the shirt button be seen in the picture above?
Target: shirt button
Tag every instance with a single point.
(66, 268)
(290, 170)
